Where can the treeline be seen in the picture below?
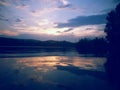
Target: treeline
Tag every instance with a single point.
(96, 46)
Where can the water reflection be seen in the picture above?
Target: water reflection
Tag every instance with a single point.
(47, 63)
(58, 71)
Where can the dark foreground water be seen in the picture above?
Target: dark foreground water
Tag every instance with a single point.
(52, 70)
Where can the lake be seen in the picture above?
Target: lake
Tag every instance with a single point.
(49, 69)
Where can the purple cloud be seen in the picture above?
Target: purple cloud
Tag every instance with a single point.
(84, 20)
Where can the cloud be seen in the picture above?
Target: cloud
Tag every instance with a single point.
(66, 30)
(3, 19)
(53, 6)
(92, 33)
(69, 34)
(69, 29)
(84, 20)
(89, 31)
(18, 20)
(5, 3)
(64, 6)
(1, 15)
(23, 7)
(43, 11)
(106, 10)
(88, 28)
(65, 2)
(72, 37)
(8, 33)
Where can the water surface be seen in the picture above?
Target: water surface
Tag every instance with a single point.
(52, 70)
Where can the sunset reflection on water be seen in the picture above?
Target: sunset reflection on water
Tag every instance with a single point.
(47, 63)
(57, 71)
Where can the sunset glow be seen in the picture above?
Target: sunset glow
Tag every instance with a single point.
(35, 19)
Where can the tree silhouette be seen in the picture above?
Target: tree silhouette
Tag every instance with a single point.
(113, 36)
(96, 46)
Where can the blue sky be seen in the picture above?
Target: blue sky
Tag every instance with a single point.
(67, 20)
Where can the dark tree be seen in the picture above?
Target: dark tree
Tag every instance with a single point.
(113, 36)
(96, 46)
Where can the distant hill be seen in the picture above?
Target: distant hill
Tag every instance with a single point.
(29, 42)
(85, 46)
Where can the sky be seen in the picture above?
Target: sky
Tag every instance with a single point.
(68, 20)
